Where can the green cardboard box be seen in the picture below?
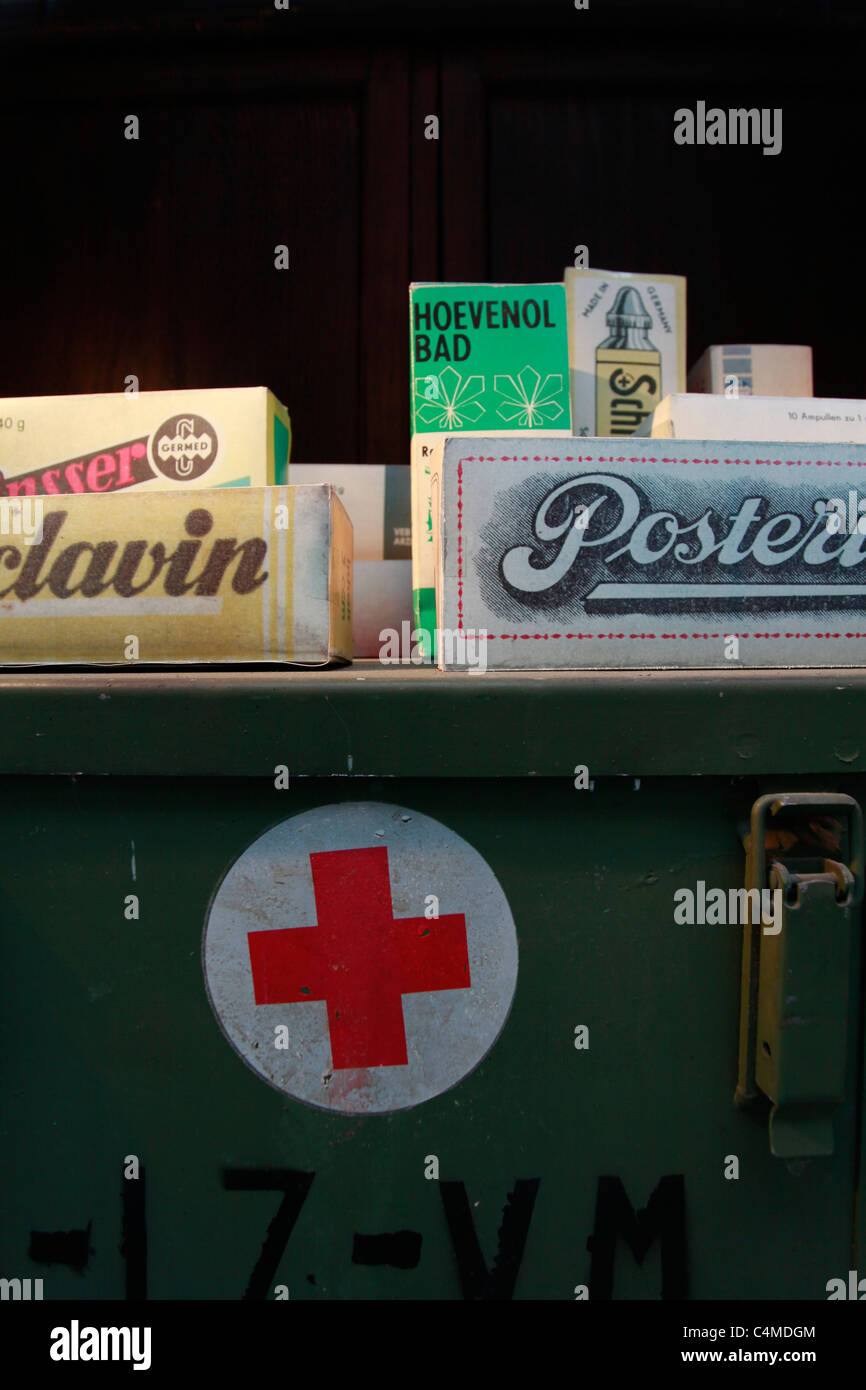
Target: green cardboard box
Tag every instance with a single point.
(485, 359)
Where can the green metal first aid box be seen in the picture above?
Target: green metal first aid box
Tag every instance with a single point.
(397, 984)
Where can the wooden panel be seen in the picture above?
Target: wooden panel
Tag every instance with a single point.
(156, 257)
(575, 146)
(426, 190)
(464, 168)
(383, 347)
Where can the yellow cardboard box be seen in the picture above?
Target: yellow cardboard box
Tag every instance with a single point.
(158, 440)
(626, 346)
(222, 575)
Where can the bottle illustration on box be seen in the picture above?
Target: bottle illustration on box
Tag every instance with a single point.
(628, 368)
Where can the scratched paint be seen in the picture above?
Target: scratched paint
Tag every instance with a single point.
(320, 928)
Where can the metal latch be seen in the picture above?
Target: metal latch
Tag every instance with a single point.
(796, 972)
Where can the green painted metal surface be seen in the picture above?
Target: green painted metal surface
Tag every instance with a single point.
(110, 1049)
(423, 723)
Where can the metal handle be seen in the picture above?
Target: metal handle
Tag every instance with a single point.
(796, 978)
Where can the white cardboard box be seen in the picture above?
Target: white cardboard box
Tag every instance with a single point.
(753, 369)
(586, 554)
(377, 499)
(766, 418)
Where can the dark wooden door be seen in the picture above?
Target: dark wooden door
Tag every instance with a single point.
(311, 130)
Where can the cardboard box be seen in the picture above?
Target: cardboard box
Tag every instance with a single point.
(151, 440)
(770, 419)
(753, 369)
(488, 359)
(670, 555)
(377, 499)
(232, 575)
(626, 344)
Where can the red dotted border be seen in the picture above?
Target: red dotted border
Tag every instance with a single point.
(622, 458)
(460, 546)
(641, 636)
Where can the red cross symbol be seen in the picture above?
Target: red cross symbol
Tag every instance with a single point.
(360, 958)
